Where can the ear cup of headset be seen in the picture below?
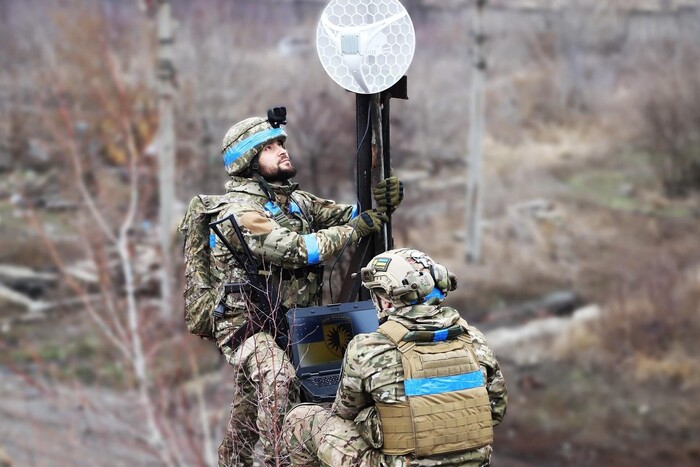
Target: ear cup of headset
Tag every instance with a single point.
(443, 278)
(453, 281)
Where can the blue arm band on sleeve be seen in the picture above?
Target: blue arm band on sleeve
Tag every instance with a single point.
(312, 254)
(212, 240)
(354, 212)
(440, 384)
(249, 143)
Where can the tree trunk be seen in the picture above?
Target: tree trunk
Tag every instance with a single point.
(476, 131)
(166, 148)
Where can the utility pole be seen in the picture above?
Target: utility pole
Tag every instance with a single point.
(476, 132)
(166, 147)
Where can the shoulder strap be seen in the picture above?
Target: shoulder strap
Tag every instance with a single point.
(464, 337)
(277, 214)
(395, 332)
(213, 203)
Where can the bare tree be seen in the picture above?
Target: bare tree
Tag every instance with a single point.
(476, 133)
(166, 147)
(93, 114)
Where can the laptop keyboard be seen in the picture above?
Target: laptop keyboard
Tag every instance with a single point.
(321, 381)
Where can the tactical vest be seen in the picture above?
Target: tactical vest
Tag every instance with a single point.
(447, 408)
(308, 278)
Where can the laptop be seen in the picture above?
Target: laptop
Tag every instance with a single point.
(318, 338)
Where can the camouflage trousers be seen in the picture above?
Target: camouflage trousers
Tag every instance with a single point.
(264, 388)
(315, 437)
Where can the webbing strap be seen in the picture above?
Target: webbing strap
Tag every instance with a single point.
(277, 214)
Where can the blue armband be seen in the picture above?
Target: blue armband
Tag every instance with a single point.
(312, 254)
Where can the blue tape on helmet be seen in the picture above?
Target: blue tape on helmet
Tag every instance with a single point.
(234, 152)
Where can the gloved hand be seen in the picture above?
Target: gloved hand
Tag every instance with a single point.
(388, 194)
(368, 222)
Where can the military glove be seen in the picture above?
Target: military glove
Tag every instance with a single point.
(388, 194)
(368, 222)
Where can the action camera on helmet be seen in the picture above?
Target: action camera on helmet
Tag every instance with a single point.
(277, 116)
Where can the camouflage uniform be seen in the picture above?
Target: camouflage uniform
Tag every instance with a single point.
(372, 372)
(260, 364)
(288, 232)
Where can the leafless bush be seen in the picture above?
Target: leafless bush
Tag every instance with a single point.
(670, 120)
(573, 52)
(653, 317)
(263, 381)
(96, 113)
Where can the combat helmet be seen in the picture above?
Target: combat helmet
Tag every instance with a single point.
(407, 277)
(244, 140)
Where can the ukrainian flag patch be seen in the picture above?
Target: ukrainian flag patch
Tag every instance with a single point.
(381, 264)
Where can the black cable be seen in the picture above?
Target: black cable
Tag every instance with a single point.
(357, 199)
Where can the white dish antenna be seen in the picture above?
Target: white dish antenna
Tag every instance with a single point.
(365, 46)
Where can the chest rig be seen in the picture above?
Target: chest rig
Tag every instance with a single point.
(447, 407)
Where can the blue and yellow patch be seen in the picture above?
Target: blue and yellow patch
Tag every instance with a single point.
(381, 264)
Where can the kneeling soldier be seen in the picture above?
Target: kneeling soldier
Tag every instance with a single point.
(423, 390)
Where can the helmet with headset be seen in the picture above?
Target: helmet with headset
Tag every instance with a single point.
(406, 277)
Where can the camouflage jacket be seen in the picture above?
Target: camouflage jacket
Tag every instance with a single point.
(372, 369)
(287, 244)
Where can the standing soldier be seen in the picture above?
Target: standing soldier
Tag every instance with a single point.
(290, 233)
(423, 390)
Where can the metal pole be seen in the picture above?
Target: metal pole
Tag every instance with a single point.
(378, 169)
(376, 122)
(351, 286)
(386, 165)
(476, 130)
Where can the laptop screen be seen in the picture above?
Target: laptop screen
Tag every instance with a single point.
(320, 335)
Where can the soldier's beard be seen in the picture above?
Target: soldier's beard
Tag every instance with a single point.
(279, 175)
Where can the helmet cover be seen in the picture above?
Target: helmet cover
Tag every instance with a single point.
(244, 140)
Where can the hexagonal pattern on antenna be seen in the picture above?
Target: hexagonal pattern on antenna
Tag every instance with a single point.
(380, 30)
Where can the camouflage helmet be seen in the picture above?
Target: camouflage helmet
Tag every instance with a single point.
(407, 277)
(244, 140)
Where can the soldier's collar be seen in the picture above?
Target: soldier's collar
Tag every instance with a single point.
(245, 185)
(251, 186)
(286, 189)
(426, 317)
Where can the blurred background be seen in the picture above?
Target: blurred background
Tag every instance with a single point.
(588, 283)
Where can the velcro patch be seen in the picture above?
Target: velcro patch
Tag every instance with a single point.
(381, 264)
(256, 223)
